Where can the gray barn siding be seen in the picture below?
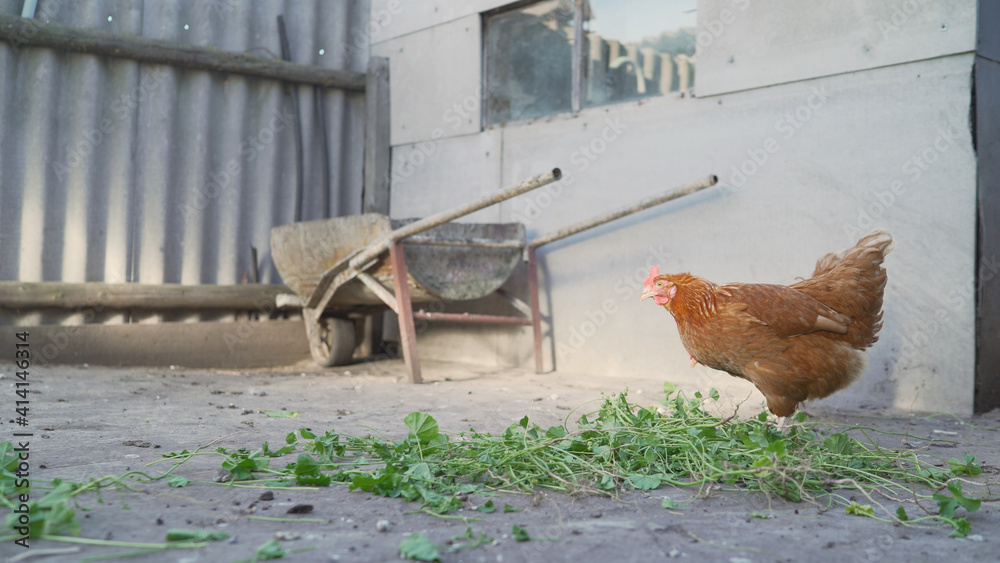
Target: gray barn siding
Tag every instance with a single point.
(112, 170)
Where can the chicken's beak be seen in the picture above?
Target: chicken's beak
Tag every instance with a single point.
(646, 294)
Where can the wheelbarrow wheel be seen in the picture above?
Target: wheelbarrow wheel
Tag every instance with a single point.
(331, 340)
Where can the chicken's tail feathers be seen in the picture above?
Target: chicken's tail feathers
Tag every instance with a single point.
(852, 283)
(879, 241)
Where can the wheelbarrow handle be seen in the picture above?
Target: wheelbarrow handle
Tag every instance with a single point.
(350, 266)
(706, 182)
(381, 245)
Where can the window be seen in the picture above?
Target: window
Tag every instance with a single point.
(555, 56)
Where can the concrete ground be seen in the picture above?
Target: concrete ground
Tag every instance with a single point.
(95, 422)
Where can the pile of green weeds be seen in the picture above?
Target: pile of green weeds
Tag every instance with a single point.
(619, 447)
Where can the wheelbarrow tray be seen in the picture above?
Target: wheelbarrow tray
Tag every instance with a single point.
(446, 263)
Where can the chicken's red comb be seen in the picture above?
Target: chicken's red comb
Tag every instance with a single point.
(653, 272)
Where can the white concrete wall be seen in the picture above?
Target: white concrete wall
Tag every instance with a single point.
(815, 146)
(747, 44)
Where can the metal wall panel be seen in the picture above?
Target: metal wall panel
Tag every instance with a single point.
(436, 78)
(744, 45)
(113, 170)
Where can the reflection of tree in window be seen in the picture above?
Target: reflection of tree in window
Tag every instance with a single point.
(529, 62)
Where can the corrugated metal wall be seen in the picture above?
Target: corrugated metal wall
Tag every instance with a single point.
(112, 170)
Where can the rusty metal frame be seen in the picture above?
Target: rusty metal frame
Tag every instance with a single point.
(406, 315)
(536, 312)
(471, 318)
(407, 332)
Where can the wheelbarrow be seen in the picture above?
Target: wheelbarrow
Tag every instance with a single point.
(361, 264)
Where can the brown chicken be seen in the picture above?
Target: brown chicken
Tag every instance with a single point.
(798, 342)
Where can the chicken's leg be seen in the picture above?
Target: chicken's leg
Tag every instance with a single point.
(782, 424)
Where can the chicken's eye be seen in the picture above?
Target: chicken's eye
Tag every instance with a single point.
(659, 284)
